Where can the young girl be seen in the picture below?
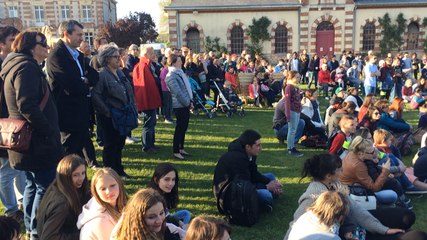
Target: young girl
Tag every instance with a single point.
(324, 217)
(63, 201)
(144, 219)
(417, 99)
(206, 227)
(407, 91)
(254, 91)
(165, 180)
(103, 210)
(292, 109)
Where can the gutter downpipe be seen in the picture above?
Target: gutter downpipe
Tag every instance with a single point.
(299, 30)
(354, 28)
(178, 30)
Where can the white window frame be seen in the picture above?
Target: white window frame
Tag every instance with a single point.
(65, 12)
(13, 11)
(89, 36)
(86, 13)
(39, 14)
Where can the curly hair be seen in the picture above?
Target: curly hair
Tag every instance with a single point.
(133, 225)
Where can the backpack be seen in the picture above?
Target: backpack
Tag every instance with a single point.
(404, 143)
(335, 132)
(238, 201)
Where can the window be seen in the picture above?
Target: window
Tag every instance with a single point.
(89, 38)
(281, 39)
(193, 39)
(13, 11)
(368, 37)
(327, 2)
(325, 26)
(236, 40)
(87, 13)
(65, 12)
(39, 12)
(413, 34)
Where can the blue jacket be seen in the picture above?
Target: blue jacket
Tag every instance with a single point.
(390, 124)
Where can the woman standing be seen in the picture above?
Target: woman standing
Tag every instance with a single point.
(112, 90)
(101, 213)
(292, 109)
(28, 98)
(181, 102)
(63, 201)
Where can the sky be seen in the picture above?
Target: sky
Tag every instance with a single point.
(148, 6)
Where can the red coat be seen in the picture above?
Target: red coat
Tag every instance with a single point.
(251, 91)
(324, 77)
(147, 93)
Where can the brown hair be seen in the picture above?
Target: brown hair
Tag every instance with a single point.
(397, 105)
(172, 59)
(114, 212)
(207, 227)
(382, 104)
(27, 41)
(133, 225)
(368, 100)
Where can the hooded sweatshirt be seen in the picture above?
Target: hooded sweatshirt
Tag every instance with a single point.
(95, 222)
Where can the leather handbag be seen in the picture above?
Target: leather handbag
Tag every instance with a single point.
(15, 134)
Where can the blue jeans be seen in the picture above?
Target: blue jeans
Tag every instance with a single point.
(292, 129)
(148, 129)
(265, 197)
(7, 191)
(36, 184)
(386, 196)
(184, 215)
(282, 133)
(370, 89)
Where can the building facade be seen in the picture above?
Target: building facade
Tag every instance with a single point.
(322, 26)
(36, 14)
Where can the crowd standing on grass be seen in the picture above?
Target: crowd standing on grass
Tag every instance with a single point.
(65, 89)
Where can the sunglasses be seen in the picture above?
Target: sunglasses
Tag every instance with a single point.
(376, 113)
(43, 44)
(370, 152)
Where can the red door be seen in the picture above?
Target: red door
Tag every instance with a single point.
(325, 43)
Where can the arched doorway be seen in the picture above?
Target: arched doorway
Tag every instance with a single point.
(413, 33)
(325, 35)
(193, 39)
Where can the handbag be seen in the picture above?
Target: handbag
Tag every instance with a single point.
(15, 134)
(364, 197)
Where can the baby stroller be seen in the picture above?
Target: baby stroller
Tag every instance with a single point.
(200, 102)
(229, 103)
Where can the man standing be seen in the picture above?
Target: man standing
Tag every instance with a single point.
(8, 174)
(147, 96)
(371, 73)
(240, 161)
(70, 78)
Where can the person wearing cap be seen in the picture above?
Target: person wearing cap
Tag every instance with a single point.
(133, 57)
(325, 80)
(353, 75)
(335, 104)
(353, 96)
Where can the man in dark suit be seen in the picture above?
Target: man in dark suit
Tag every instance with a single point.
(70, 78)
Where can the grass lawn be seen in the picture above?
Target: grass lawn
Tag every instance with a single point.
(207, 139)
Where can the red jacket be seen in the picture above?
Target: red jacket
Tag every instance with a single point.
(147, 94)
(324, 77)
(251, 91)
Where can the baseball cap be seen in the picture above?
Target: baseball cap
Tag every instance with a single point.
(339, 89)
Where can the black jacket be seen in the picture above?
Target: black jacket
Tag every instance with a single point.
(236, 162)
(24, 88)
(69, 90)
(420, 166)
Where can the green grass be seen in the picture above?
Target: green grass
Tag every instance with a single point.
(207, 139)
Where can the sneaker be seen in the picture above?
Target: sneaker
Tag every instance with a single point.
(169, 121)
(326, 98)
(150, 151)
(414, 190)
(294, 152)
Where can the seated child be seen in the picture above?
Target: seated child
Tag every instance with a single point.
(231, 95)
(347, 126)
(417, 99)
(407, 91)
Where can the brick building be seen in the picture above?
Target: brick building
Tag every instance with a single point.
(35, 14)
(322, 26)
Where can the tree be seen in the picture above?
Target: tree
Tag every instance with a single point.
(258, 33)
(137, 28)
(214, 45)
(392, 33)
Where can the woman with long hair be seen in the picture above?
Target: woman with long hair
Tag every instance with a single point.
(323, 218)
(207, 227)
(387, 122)
(144, 219)
(371, 118)
(165, 180)
(367, 102)
(102, 212)
(325, 170)
(396, 108)
(63, 201)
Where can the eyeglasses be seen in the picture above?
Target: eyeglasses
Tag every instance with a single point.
(373, 151)
(43, 44)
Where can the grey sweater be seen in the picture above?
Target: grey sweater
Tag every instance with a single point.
(357, 214)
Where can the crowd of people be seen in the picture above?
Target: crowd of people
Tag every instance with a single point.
(65, 89)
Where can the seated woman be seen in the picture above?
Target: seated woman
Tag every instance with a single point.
(325, 170)
(323, 219)
(254, 92)
(206, 227)
(371, 118)
(101, 213)
(348, 108)
(356, 172)
(387, 122)
(165, 180)
(367, 102)
(396, 109)
(310, 113)
(144, 218)
(63, 201)
(265, 89)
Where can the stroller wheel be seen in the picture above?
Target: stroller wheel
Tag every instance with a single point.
(209, 115)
